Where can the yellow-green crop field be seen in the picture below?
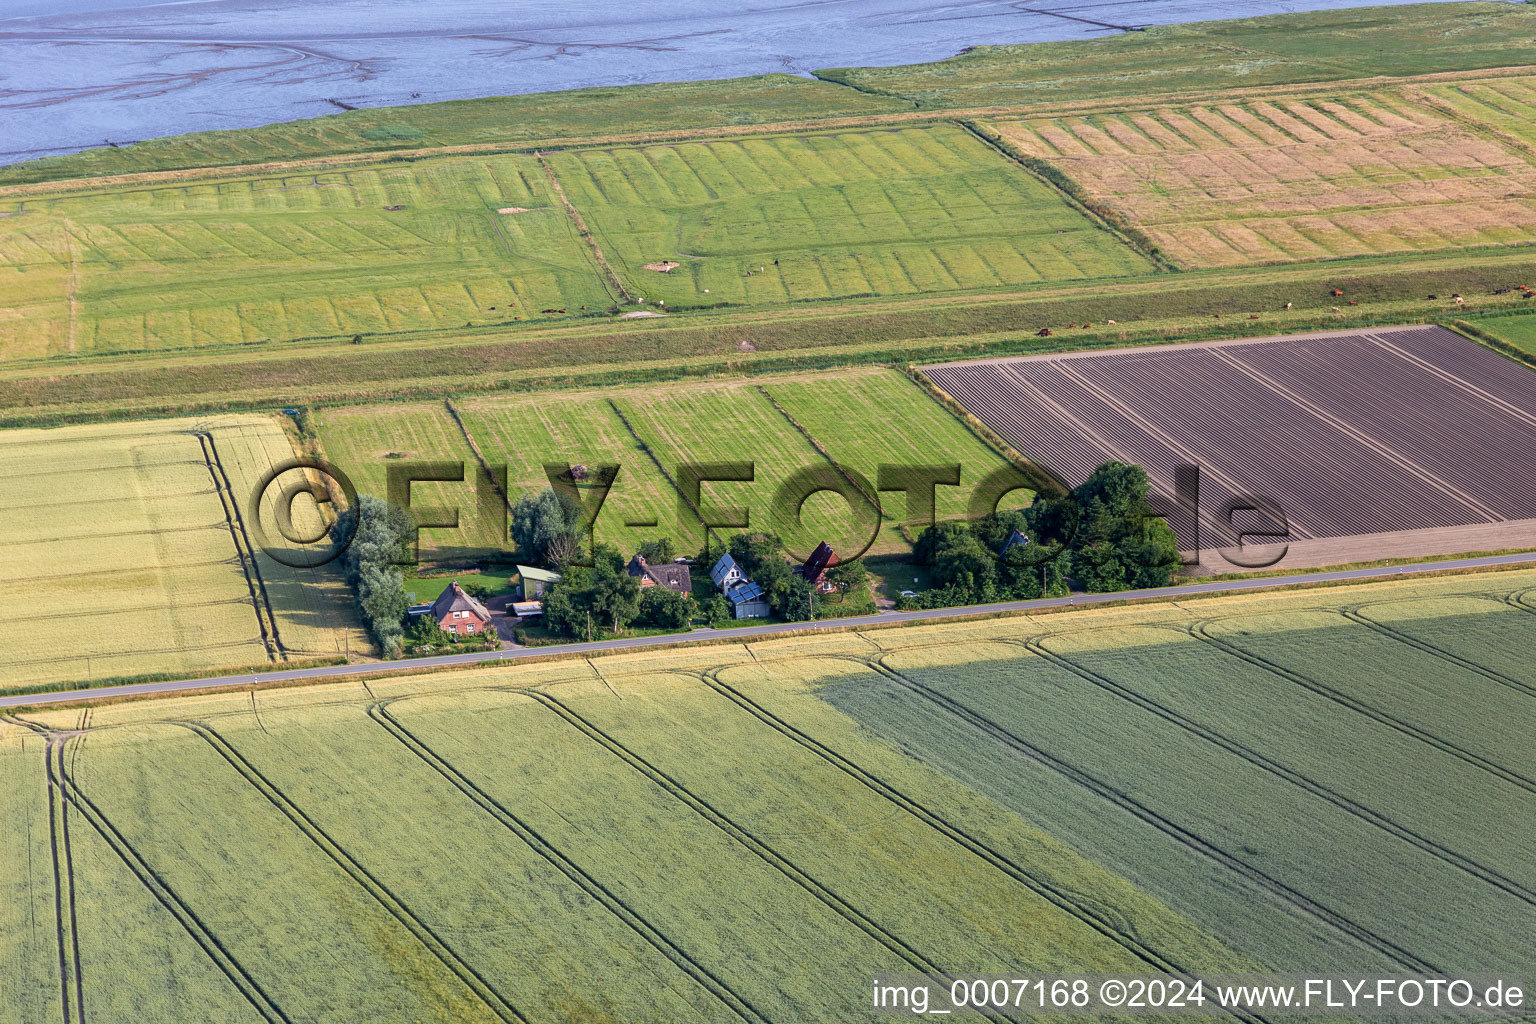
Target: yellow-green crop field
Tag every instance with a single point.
(124, 558)
(1225, 184)
(1292, 782)
(245, 259)
(891, 212)
(862, 418)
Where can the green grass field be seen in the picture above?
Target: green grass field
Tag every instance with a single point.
(1143, 789)
(1218, 57)
(245, 259)
(862, 417)
(894, 212)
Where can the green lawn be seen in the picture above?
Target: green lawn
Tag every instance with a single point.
(1519, 331)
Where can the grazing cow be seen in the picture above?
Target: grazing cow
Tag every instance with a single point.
(1336, 309)
(1253, 316)
(1456, 295)
(1337, 292)
(1287, 305)
(1111, 321)
(1044, 332)
(1433, 297)
(1460, 301)
(1354, 303)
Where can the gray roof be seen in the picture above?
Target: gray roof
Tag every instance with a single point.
(671, 575)
(453, 599)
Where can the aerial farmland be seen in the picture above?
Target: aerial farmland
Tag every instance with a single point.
(807, 547)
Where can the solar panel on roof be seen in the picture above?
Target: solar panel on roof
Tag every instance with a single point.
(746, 592)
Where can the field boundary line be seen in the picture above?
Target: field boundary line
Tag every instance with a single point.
(1290, 775)
(709, 531)
(1104, 791)
(364, 879)
(581, 228)
(1095, 917)
(60, 778)
(742, 836)
(599, 893)
(818, 447)
(260, 601)
(1460, 383)
(1070, 191)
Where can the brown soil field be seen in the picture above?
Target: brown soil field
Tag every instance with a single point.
(1360, 444)
(1223, 184)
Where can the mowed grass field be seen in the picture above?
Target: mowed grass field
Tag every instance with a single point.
(123, 559)
(862, 418)
(245, 259)
(1129, 790)
(889, 212)
(1226, 184)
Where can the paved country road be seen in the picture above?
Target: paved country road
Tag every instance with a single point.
(763, 629)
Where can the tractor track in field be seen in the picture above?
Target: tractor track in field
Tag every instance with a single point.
(65, 919)
(1296, 899)
(1287, 774)
(260, 601)
(61, 781)
(743, 837)
(1358, 616)
(1312, 685)
(599, 893)
(1098, 918)
(392, 904)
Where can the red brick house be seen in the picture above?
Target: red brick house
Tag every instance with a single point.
(816, 566)
(457, 612)
(672, 575)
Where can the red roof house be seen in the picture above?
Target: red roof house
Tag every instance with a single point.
(457, 612)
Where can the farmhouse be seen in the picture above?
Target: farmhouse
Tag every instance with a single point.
(673, 575)
(457, 612)
(816, 566)
(535, 581)
(747, 598)
(726, 573)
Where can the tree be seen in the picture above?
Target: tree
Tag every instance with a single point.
(602, 596)
(1121, 542)
(717, 610)
(966, 568)
(657, 551)
(848, 576)
(792, 598)
(666, 609)
(380, 535)
(546, 525)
